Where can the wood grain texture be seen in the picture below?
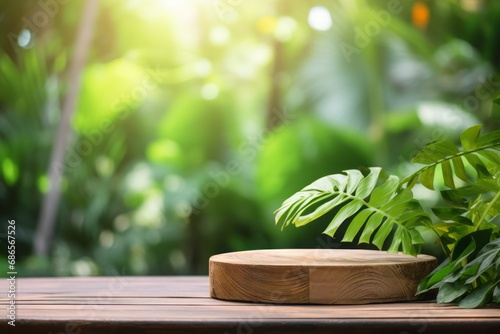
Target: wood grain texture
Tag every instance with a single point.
(181, 304)
(317, 276)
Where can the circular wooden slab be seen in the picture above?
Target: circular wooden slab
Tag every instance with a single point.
(317, 276)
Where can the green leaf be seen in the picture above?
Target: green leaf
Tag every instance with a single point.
(464, 247)
(344, 213)
(407, 244)
(416, 237)
(449, 292)
(288, 210)
(442, 148)
(492, 246)
(474, 161)
(453, 214)
(384, 192)
(424, 285)
(459, 169)
(366, 185)
(409, 214)
(402, 198)
(427, 177)
(382, 234)
(450, 158)
(437, 278)
(454, 199)
(496, 294)
(469, 137)
(479, 296)
(464, 220)
(478, 238)
(356, 225)
(318, 212)
(489, 139)
(425, 157)
(448, 213)
(396, 241)
(483, 263)
(435, 151)
(386, 207)
(487, 261)
(373, 223)
(292, 209)
(491, 156)
(330, 184)
(354, 177)
(411, 181)
(397, 210)
(448, 174)
(469, 270)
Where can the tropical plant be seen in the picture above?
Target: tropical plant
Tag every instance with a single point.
(382, 210)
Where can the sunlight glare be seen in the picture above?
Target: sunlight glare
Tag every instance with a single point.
(220, 35)
(209, 91)
(319, 18)
(24, 38)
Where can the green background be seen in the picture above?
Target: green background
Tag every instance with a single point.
(196, 119)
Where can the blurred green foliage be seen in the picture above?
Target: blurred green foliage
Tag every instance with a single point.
(196, 119)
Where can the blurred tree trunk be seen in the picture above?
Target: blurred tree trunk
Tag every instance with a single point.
(50, 201)
(274, 110)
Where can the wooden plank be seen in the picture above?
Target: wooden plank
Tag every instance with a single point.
(117, 312)
(310, 276)
(395, 310)
(294, 326)
(66, 305)
(176, 286)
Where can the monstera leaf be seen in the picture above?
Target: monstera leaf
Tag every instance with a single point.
(374, 202)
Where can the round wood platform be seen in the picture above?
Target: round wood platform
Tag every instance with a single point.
(317, 276)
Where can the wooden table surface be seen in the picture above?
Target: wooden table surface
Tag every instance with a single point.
(181, 304)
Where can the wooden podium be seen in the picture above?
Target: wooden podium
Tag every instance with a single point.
(317, 276)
